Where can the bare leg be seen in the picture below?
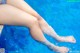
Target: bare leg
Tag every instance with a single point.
(21, 4)
(13, 16)
(50, 31)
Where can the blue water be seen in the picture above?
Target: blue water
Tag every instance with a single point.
(62, 15)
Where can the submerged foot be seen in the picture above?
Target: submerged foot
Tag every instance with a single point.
(59, 49)
(67, 39)
(62, 49)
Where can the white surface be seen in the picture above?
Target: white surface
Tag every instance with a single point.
(1, 27)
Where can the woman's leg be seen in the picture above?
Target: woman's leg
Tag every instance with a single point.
(13, 16)
(46, 28)
(21, 4)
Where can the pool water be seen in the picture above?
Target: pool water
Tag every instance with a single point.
(62, 15)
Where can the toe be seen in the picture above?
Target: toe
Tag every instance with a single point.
(74, 40)
(67, 49)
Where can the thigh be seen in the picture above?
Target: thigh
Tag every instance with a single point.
(14, 16)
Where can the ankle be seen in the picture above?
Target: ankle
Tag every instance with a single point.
(49, 44)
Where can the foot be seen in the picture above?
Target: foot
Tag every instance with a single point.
(67, 39)
(62, 49)
(59, 49)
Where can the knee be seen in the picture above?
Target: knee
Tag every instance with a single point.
(34, 22)
(42, 22)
